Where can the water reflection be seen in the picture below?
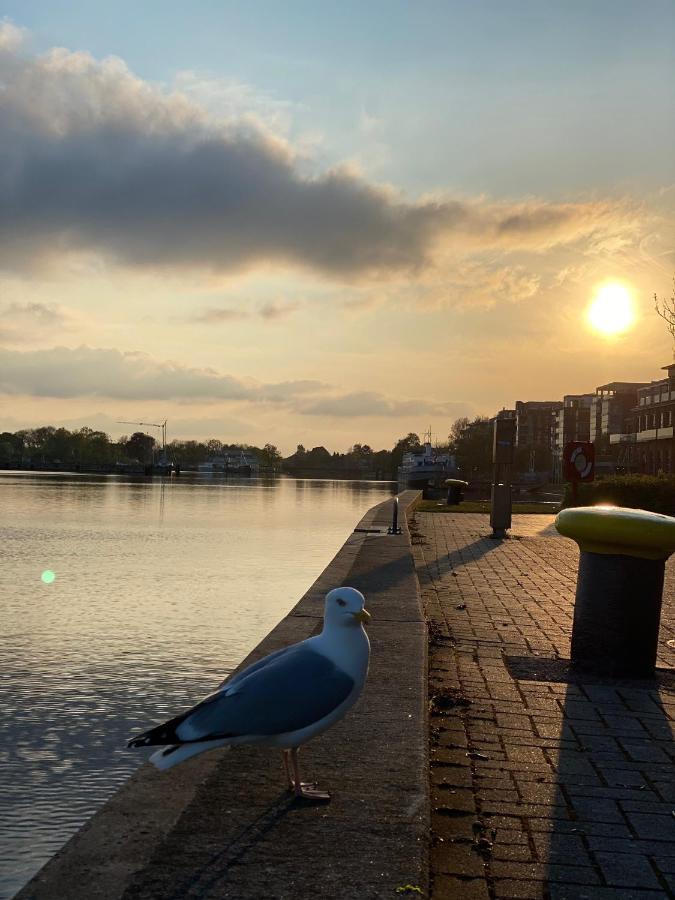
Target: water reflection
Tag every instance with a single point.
(161, 587)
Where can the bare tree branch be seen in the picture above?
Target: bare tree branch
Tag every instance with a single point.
(666, 309)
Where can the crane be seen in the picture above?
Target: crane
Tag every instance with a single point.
(161, 426)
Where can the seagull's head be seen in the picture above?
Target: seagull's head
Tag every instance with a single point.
(345, 608)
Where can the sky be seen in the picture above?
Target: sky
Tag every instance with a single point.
(328, 223)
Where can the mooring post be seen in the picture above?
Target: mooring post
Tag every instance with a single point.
(617, 609)
(503, 448)
(393, 528)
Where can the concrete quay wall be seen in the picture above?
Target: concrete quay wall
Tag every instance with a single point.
(223, 825)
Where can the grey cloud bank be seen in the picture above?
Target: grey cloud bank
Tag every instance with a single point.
(93, 372)
(267, 311)
(83, 372)
(94, 160)
(371, 403)
(21, 323)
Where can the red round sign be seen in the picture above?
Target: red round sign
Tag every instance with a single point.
(579, 461)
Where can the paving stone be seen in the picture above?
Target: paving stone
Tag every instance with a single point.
(507, 888)
(456, 859)
(627, 870)
(575, 892)
(515, 852)
(561, 848)
(660, 828)
(448, 888)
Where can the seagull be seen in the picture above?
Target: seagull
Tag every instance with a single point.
(283, 700)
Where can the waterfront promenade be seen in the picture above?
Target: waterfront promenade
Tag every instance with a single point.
(543, 785)
(223, 825)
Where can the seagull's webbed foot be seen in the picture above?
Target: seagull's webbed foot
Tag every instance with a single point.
(303, 790)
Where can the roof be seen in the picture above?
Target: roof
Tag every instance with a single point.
(621, 386)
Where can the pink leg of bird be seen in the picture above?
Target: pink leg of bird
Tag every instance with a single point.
(287, 769)
(302, 789)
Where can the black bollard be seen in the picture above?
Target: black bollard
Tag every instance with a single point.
(455, 488)
(617, 612)
(393, 528)
(617, 609)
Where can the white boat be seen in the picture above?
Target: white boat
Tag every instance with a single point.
(426, 466)
(237, 464)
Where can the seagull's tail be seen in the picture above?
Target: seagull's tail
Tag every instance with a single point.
(159, 736)
(170, 756)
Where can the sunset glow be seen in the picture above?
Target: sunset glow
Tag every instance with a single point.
(611, 311)
(264, 238)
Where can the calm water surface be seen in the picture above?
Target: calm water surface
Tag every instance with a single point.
(161, 588)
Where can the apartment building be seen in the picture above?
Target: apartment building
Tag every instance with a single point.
(534, 433)
(645, 442)
(612, 409)
(572, 422)
(534, 419)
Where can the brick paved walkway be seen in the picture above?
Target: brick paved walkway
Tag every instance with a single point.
(543, 785)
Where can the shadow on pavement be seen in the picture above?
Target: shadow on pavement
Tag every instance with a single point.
(610, 829)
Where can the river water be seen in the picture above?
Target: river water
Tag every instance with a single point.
(161, 587)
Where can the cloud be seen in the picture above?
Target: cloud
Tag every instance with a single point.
(214, 315)
(96, 161)
(24, 322)
(371, 403)
(233, 101)
(93, 372)
(11, 37)
(86, 372)
(270, 311)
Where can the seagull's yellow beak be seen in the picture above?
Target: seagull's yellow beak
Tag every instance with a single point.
(362, 616)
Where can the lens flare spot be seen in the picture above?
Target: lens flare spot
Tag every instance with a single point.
(48, 576)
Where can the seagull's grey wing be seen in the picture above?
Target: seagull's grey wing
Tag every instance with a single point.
(166, 733)
(231, 680)
(293, 691)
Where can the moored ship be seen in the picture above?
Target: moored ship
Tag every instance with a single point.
(426, 468)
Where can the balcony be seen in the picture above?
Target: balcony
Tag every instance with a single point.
(655, 434)
(622, 438)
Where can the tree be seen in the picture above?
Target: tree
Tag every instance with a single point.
(318, 458)
(457, 429)
(93, 447)
(140, 447)
(666, 309)
(270, 456)
(404, 445)
(471, 443)
(214, 447)
(11, 447)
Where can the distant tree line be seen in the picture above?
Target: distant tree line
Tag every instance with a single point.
(470, 441)
(86, 448)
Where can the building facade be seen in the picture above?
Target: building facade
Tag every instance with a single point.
(611, 409)
(534, 434)
(645, 442)
(534, 419)
(572, 422)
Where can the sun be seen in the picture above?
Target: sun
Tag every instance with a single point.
(611, 310)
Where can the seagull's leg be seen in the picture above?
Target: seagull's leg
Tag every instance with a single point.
(287, 768)
(306, 791)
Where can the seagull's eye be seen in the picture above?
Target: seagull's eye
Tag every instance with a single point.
(341, 602)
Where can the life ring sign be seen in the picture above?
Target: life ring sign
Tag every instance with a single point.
(579, 461)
